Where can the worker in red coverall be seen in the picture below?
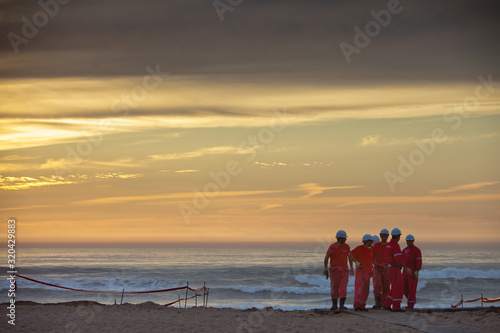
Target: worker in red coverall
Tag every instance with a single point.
(362, 257)
(338, 271)
(380, 280)
(412, 257)
(394, 259)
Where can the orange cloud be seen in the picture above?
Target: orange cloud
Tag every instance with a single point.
(466, 187)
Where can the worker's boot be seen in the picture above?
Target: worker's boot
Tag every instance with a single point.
(378, 303)
(334, 304)
(341, 305)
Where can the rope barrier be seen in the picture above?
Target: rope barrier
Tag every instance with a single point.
(491, 300)
(184, 299)
(109, 292)
(203, 288)
(482, 299)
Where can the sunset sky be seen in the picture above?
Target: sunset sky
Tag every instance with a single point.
(164, 122)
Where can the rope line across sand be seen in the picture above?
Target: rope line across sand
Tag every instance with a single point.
(203, 288)
(482, 299)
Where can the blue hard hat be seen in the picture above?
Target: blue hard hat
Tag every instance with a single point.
(341, 234)
(367, 237)
(384, 232)
(410, 237)
(395, 232)
(376, 239)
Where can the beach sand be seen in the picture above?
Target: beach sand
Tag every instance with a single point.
(151, 317)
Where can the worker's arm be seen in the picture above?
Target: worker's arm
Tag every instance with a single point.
(352, 260)
(398, 257)
(407, 269)
(325, 264)
(351, 272)
(418, 265)
(418, 260)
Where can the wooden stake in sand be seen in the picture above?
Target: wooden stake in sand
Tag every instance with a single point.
(208, 292)
(204, 292)
(121, 301)
(186, 298)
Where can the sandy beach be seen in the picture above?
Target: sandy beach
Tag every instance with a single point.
(151, 317)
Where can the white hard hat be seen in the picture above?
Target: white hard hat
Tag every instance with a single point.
(384, 232)
(376, 239)
(367, 237)
(341, 234)
(395, 232)
(410, 237)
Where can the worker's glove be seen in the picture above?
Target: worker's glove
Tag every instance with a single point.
(415, 275)
(351, 271)
(408, 271)
(325, 273)
(358, 265)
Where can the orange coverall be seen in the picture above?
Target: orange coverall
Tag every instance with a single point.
(394, 259)
(339, 271)
(363, 275)
(380, 280)
(412, 257)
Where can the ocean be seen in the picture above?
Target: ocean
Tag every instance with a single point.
(282, 278)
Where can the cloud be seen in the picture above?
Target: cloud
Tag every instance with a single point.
(182, 196)
(316, 164)
(370, 140)
(118, 175)
(265, 165)
(180, 171)
(390, 200)
(313, 189)
(17, 158)
(25, 208)
(186, 171)
(8, 167)
(24, 183)
(49, 117)
(378, 140)
(466, 187)
(270, 206)
(20, 134)
(212, 151)
(417, 43)
(70, 164)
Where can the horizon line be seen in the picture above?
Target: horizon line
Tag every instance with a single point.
(214, 244)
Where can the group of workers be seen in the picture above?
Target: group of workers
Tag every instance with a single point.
(379, 259)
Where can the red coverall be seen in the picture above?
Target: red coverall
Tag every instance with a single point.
(339, 271)
(394, 259)
(363, 275)
(412, 257)
(380, 281)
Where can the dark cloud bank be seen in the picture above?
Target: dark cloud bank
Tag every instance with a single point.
(277, 40)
